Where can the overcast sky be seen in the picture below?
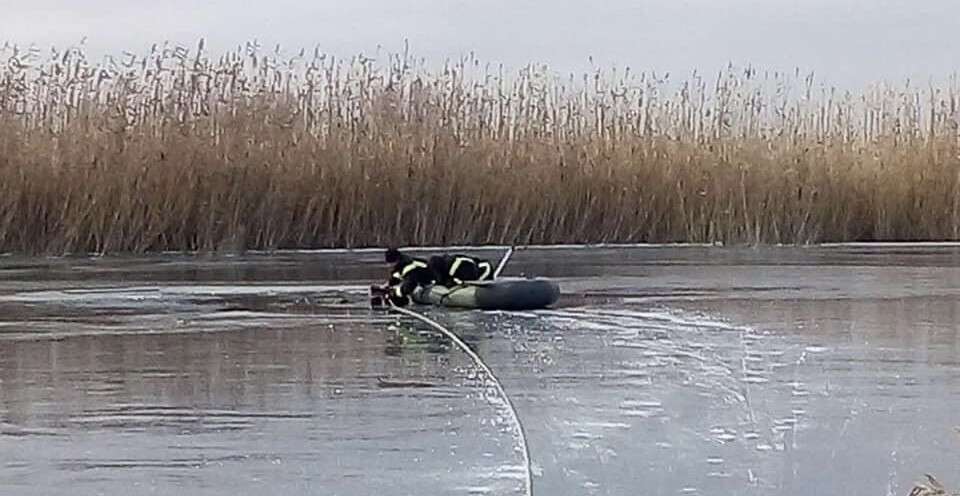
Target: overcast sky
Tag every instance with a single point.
(847, 42)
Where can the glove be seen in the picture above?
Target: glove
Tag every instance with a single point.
(398, 300)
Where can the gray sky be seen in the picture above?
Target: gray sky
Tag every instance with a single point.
(847, 42)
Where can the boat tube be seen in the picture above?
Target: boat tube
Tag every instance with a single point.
(506, 293)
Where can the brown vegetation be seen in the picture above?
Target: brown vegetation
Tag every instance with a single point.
(178, 151)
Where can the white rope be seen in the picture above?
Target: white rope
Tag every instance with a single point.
(493, 378)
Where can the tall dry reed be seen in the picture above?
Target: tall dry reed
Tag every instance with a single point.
(178, 150)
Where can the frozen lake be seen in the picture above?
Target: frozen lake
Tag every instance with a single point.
(664, 370)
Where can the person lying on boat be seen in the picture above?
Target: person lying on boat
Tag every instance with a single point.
(407, 274)
(454, 270)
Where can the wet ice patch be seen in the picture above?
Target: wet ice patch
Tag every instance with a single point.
(691, 382)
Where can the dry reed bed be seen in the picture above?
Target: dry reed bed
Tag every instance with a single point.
(176, 150)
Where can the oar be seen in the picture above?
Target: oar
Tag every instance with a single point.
(503, 263)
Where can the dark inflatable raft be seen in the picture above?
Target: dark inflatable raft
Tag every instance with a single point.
(506, 293)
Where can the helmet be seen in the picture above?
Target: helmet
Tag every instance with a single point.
(392, 255)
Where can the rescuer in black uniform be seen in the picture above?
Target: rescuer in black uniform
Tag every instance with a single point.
(454, 270)
(407, 274)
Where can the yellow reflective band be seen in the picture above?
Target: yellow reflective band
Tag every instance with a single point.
(397, 290)
(398, 275)
(486, 270)
(457, 281)
(456, 265)
(416, 264)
